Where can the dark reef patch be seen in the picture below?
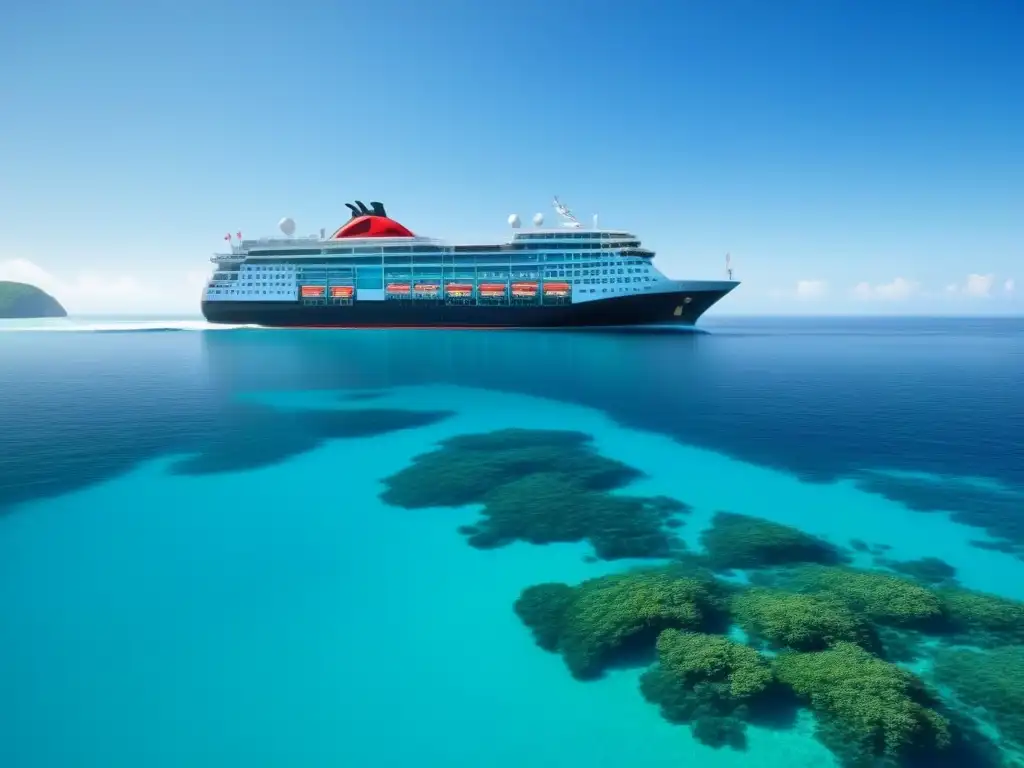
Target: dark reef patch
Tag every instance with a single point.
(992, 681)
(160, 416)
(360, 395)
(261, 436)
(741, 541)
(995, 509)
(932, 571)
(1000, 545)
(541, 487)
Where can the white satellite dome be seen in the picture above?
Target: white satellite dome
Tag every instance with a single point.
(538, 219)
(513, 221)
(287, 225)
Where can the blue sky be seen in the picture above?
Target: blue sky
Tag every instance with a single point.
(852, 156)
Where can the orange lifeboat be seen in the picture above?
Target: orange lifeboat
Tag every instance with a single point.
(398, 288)
(311, 291)
(342, 291)
(524, 289)
(459, 289)
(425, 288)
(492, 290)
(557, 289)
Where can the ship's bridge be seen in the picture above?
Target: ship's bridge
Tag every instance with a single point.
(621, 241)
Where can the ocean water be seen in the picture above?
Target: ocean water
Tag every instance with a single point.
(197, 567)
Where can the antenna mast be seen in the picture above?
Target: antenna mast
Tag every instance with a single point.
(728, 266)
(565, 213)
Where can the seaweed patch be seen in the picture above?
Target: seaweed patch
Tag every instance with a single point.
(540, 487)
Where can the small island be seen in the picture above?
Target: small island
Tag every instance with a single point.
(23, 301)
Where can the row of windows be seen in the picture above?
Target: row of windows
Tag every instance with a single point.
(458, 254)
(335, 268)
(278, 277)
(519, 245)
(583, 235)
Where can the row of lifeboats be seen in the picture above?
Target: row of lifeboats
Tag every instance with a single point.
(319, 291)
(485, 290)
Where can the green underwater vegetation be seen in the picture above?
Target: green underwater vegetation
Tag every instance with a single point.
(605, 617)
(741, 541)
(992, 681)
(866, 708)
(788, 620)
(758, 623)
(541, 487)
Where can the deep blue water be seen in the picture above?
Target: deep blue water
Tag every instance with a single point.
(196, 568)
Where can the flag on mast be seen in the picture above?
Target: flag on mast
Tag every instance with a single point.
(227, 236)
(239, 233)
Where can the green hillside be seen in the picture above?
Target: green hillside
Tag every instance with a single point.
(20, 300)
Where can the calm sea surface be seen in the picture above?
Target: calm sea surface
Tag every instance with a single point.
(197, 567)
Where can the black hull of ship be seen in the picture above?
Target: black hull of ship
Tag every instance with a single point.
(651, 309)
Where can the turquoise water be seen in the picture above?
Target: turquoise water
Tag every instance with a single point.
(280, 613)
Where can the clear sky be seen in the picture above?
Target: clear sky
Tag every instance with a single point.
(851, 155)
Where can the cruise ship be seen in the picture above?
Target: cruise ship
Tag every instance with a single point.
(375, 273)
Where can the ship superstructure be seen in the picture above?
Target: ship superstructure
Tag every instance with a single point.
(373, 271)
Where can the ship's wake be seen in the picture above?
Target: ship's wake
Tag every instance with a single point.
(126, 325)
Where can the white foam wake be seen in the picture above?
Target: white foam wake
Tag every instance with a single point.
(111, 325)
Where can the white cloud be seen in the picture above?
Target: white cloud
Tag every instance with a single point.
(811, 289)
(98, 292)
(1009, 285)
(899, 289)
(979, 285)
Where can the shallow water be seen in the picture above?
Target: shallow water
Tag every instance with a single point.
(197, 569)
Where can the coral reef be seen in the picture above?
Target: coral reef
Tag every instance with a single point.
(540, 486)
(837, 632)
(798, 621)
(695, 658)
(549, 507)
(879, 597)
(982, 619)
(992, 680)
(464, 469)
(741, 541)
(605, 618)
(866, 708)
(707, 681)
